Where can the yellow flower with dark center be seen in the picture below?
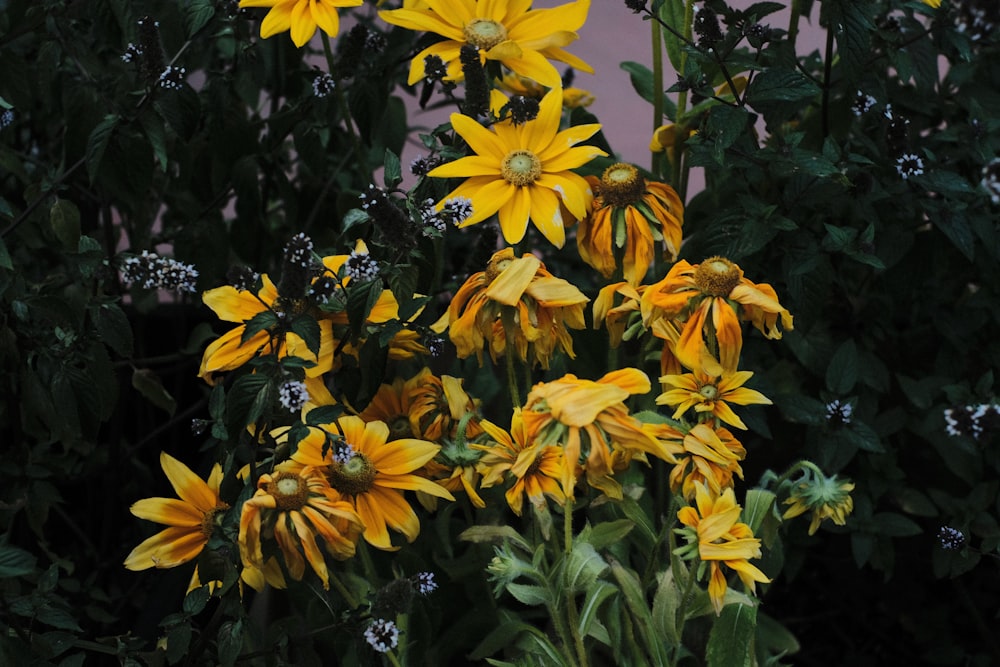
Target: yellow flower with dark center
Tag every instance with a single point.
(300, 17)
(229, 351)
(590, 421)
(710, 395)
(514, 303)
(629, 216)
(704, 456)
(537, 469)
(712, 294)
(371, 472)
(294, 508)
(190, 519)
(522, 172)
(507, 31)
(721, 540)
(518, 85)
(826, 498)
(426, 406)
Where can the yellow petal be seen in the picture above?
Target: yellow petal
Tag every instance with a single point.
(189, 486)
(508, 287)
(168, 511)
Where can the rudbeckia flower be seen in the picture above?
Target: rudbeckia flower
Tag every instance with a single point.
(629, 216)
(704, 456)
(590, 421)
(522, 172)
(191, 519)
(720, 540)
(426, 407)
(295, 508)
(300, 17)
(713, 294)
(710, 395)
(536, 468)
(825, 497)
(515, 303)
(508, 31)
(371, 473)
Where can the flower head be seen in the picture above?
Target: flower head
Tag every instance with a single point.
(190, 519)
(704, 456)
(508, 31)
(628, 217)
(522, 172)
(296, 507)
(714, 528)
(710, 395)
(371, 474)
(825, 497)
(514, 304)
(300, 17)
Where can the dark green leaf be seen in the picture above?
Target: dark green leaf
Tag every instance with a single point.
(178, 641)
(393, 174)
(15, 561)
(148, 383)
(97, 143)
(842, 373)
(606, 533)
(265, 320)
(780, 85)
(5, 261)
(895, 525)
(730, 642)
(197, 14)
(195, 601)
(307, 328)
(324, 414)
(642, 82)
(64, 217)
(114, 328)
(230, 640)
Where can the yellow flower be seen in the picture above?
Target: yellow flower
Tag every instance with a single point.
(426, 406)
(537, 469)
(506, 31)
(522, 172)
(230, 351)
(514, 303)
(295, 508)
(371, 473)
(629, 216)
(722, 540)
(301, 17)
(933, 3)
(191, 519)
(709, 394)
(825, 497)
(590, 421)
(712, 294)
(704, 456)
(525, 87)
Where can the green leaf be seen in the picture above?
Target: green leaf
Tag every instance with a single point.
(730, 642)
(5, 261)
(493, 534)
(64, 217)
(635, 600)
(842, 373)
(114, 328)
(393, 173)
(596, 596)
(583, 566)
(672, 13)
(246, 400)
(195, 601)
(307, 328)
(324, 414)
(607, 533)
(361, 298)
(891, 524)
(97, 144)
(178, 640)
(230, 640)
(148, 383)
(530, 595)
(642, 81)
(956, 227)
(197, 14)
(780, 85)
(863, 437)
(265, 320)
(152, 126)
(15, 561)
(354, 217)
(666, 603)
(757, 508)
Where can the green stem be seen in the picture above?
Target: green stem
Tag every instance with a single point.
(793, 22)
(571, 610)
(827, 76)
(345, 111)
(679, 175)
(344, 592)
(657, 163)
(508, 353)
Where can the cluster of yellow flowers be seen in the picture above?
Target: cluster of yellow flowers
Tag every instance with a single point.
(345, 480)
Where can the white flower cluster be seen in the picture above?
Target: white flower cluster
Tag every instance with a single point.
(950, 538)
(6, 118)
(132, 53)
(974, 420)
(909, 164)
(361, 266)
(839, 412)
(293, 395)
(458, 209)
(150, 271)
(298, 250)
(172, 78)
(343, 452)
(424, 583)
(862, 103)
(323, 85)
(431, 219)
(382, 635)
(991, 180)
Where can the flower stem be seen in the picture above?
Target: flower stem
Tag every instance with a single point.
(573, 616)
(345, 111)
(657, 163)
(343, 590)
(793, 22)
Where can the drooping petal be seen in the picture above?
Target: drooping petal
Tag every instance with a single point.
(189, 486)
(169, 548)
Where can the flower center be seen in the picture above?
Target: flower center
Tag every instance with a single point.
(717, 276)
(521, 168)
(353, 477)
(498, 264)
(709, 391)
(399, 427)
(484, 33)
(211, 519)
(290, 491)
(621, 185)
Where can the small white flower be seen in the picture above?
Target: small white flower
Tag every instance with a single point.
(382, 635)
(293, 395)
(323, 85)
(150, 271)
(909, 164)
(458, 209)
(839, 412)
(361, 266)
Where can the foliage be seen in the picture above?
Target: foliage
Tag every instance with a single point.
(160, 157)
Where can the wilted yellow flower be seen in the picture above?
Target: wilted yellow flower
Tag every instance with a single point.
(522, 172)
(629, 216)
(713, 294)
(709, 394)
(300, 17)
(721, 540)
(515, 302)
(507, 31)
(294, 508)
(704, 455)
(825, 497)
